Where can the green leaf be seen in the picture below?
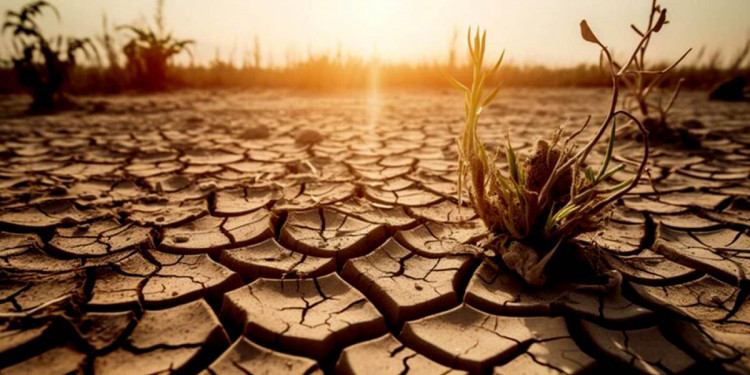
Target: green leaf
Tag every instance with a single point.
(589, 174)
(560, 215)
(608, 153)
(505, 188)
(621, 185)
(612, 172)
(512, 161)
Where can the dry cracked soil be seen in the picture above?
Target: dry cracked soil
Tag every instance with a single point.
(278, 233)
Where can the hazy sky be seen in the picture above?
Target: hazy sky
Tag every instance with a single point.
(532, 31)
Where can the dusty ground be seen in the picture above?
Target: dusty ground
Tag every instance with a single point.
(278, 233)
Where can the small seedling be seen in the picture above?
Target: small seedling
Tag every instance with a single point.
(150, 51)
(551, 196)
(643, 83)
(41, 64)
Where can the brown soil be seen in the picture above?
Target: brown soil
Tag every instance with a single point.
(272, 232)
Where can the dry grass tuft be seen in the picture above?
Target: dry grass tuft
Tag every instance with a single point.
(644, 82)
(551, 196)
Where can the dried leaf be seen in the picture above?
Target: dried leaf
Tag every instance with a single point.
(587, 34)
(661, 21)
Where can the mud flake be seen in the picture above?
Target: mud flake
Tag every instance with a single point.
(474, 341)
(654, 207)
(315, 195)
(310, 317)
(100, 238)
(118, 286)
(686, 221)
(651, 268)
(723, 262)
(17, 243)
(30, 291)
(411, 197)
(212, 233)
(207, 157)
(644, 349)
(241, 201)
(437, 239)
(194, 276)
(502, 292)
(144, 170)
(166, 214)
(82, 171)
(705, 299)
(244, 356)
(553, 356)
(271, 260)
(46, 215)
(386, 355)
(328, 233)
(103, 330)
(391, 216)
(64, 359)
(174, 339)
(406, 285)
(444, 212)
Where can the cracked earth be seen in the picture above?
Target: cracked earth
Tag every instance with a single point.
(270, 232)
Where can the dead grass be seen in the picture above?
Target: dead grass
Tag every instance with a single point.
(550, 197)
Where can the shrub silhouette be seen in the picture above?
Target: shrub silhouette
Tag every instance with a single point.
(150, 51)
(43, 65)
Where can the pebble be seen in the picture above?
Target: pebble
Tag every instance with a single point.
(88, 197)
(308, 137)
(207, 186)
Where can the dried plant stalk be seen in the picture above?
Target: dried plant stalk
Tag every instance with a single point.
(550, 197)
(43, 64)
(644, 83)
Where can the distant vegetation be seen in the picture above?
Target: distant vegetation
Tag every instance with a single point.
(42, 65)
(149, 51)
(645, 92)
(140, 57)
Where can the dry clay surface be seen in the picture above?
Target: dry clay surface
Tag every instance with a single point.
(279, 233)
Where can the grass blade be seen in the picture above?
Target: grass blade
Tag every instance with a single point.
(608, 154)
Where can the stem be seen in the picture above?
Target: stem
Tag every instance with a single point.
(638, 174)
(583, 153)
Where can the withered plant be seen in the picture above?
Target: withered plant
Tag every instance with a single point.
(644, 82)
(149, 51)
(112, 77)
(42, 64)
(553, 194)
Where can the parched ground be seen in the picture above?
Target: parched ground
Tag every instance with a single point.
(271, 232)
